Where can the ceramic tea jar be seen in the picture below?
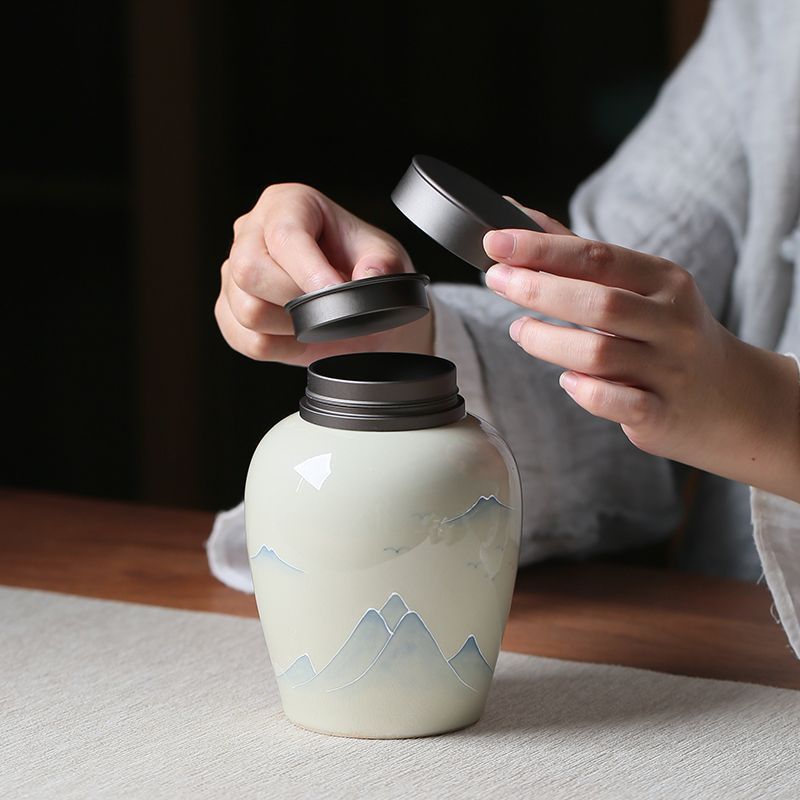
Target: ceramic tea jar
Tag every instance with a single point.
(383, 528)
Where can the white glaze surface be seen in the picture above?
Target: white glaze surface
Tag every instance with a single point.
(341, 522)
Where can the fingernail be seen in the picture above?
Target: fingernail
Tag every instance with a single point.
(568, 381)
(516, 327)
(497, 278)
(373, 272)
(499, 244)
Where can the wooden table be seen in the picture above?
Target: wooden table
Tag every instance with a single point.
(640, 617)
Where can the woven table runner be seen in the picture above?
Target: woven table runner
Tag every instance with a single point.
(105, 699)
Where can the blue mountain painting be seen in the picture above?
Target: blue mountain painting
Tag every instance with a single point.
(266, 555)
(487, 518)
(356, 655)
(484, 507)
(300, 671)
(392, 654)
(411, 659)
(471, 666)
(393, 610)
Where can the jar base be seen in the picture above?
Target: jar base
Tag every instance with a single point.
(382, 737)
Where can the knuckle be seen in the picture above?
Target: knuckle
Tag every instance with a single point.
(238, 223)
(248, 310)
(254, 345)
(640, 409)
(525, 288)
(608, 305)
(275, 189)
(664, 264)
(268, 194)
(272, 190)
(599, 351)
(279, 233)
(244, 271)
(683, 284)
(597, 255)
(261, 347)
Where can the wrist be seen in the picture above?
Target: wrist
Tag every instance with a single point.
(764, 434)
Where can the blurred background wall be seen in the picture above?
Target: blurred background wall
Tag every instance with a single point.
(134, 133)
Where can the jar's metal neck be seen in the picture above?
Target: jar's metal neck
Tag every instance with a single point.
(382, 392)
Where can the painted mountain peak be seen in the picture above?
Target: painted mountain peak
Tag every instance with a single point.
(266, 555)
(392, 651)
(470, 664)
(356, 655)
(484, 506)
(393, 610)
(300, 671)
(411, 659)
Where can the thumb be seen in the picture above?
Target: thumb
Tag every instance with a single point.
(379, 260)
(548, 224)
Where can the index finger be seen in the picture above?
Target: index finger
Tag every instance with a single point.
(574, 257)
(290, 236)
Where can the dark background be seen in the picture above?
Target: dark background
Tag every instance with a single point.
(134, 133)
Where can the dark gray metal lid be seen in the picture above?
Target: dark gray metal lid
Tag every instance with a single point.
(382, 392)
(455, 209)
(356, 308)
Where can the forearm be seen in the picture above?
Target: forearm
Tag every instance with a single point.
(759, 443)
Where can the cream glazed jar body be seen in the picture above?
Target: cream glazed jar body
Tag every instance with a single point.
(383, 529)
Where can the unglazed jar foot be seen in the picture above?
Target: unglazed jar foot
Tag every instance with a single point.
(383, 563)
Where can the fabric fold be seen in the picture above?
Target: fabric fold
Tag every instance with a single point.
(776, 528)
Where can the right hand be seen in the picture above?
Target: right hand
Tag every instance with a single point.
(296, 240)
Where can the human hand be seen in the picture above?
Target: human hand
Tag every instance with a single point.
(296, 240)
(656, 360)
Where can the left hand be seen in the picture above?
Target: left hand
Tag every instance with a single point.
(656, 360)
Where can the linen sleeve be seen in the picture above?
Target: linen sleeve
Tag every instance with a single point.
(678, 186)
(776, 526)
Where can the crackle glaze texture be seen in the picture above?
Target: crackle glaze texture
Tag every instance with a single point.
(383, 565)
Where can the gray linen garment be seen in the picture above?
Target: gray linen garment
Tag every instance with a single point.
(711, 180)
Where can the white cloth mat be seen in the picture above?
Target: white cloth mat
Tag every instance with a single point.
(114, 700)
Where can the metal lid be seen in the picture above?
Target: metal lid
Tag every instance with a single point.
(450, 206)
(356, 308)
(382, 392)
(455, 209)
